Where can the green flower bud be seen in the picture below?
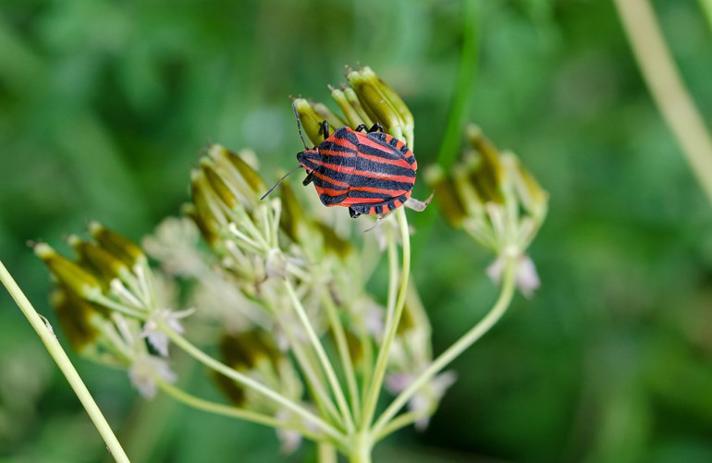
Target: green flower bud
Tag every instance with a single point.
(241, 178)
(67, 273)
(208, 230)
(531, 195)
(245, 350)
(406, 117)
(207, 205)
(354, 114)
(117, 245)
(368, 89)
(485, 167)
(326, 115)
(310, 120)
(446, 194)
(77, 318)
(365, 114)
(292, 220)
(101, 262)
(227, 197)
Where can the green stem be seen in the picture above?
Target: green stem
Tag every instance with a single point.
(321, 354)
(60, 357)
(361, 448)
(667, 88)
(392, 328)
(400, 421)
(706, 6)
(246, 381)
(326, 453)
(462, 344)
(463, 87)
(233, 412)
(344, 354)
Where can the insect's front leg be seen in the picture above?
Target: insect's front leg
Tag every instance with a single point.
(308, 179)
(361, 128)
(353, 213)
(376, 128)
(324, 129)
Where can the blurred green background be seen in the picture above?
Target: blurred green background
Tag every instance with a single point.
(105, 105)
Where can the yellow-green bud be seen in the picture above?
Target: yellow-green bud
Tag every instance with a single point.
(310, 120)
(117, 245)
(76, 317)
(446, 194)
(353, 119)
(217, 183)
(100, 261)
(67, 272)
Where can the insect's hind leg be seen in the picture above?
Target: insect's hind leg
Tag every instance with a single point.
(353, 213)
(324, 129)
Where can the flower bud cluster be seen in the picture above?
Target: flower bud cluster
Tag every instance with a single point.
(491, 196)
(108, 305)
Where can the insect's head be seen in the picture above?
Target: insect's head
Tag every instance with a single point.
(307, 157)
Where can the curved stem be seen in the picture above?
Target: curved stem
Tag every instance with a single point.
(344, 354)
(667, 88)
(60, 357)
(391, 329)
(400, 421)
(246, 381)
(321, 354)
(469, 338)
(326, 453)
(233, 412)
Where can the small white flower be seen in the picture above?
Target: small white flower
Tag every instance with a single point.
(144, 372)
(175, 245)
(527, 278)
(275, 264)
(157, 338)
(426, 399)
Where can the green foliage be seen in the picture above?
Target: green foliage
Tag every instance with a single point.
(104, 105)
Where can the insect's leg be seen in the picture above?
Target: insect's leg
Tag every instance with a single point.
(308, 179)
(376, 128)
(324, 129)
(353, 213)
(361, 128)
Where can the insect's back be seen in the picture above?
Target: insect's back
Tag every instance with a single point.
(371, 173)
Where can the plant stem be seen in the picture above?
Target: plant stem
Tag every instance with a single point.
(321, 354)
(463, 87)
(400, 421)
(361, 448)
(392, 328)
(43, 330)
(326, 453)
(706, 6)
(344, 354)
(457, 348)
(246, 381)
(233, 412)
(667, 88)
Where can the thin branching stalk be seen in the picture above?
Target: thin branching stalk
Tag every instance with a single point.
(399, 422)
(344, 355)
(246, 381)
(392, 328)
(326, 453)
(666, 86)
(60, 357)
(457, 348)
(323, 358)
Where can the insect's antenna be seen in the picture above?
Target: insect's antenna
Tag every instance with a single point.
(299, 126)
(279, 182)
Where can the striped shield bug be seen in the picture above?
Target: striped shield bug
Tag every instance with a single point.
(366, 170)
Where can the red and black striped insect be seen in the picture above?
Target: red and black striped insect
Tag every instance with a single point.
(368, 171)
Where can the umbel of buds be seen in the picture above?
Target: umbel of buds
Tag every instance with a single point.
(492, 197)
(366, 100)
(105, 301)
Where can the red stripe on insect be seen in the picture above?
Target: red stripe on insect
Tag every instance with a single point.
(329, 179)
(357, 201)
(364, 173)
